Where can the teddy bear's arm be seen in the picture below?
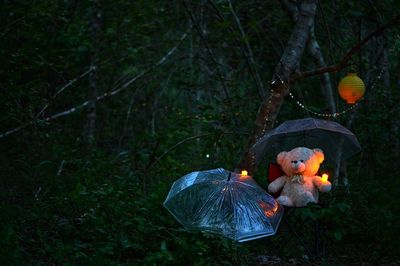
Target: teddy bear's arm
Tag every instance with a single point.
(277, 184)
(323, 186)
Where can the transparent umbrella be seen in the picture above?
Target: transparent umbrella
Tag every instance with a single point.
(334, 139)
(223, 202)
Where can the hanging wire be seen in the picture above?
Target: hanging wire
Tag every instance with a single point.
(336, 114)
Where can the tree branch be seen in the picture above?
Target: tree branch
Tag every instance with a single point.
(99, 98)
(176, 145)
(212, 56)
(279, 86)
(71, 82)
(249, 61)
(256, 75)
(315, 51)
(343, 62)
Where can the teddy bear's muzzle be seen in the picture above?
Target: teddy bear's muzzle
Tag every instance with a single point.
(299, 167)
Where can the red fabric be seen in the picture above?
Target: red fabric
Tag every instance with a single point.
(274, 171)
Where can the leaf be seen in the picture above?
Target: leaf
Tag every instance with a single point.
(163, 246)
(338, 235)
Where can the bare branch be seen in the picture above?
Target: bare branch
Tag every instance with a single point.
(188, 139)
(62, 89)
(250, 63)
(315, 51)
(208, 48)
(344, 61)
(61, 168)
(99, 98)
(256, 75)
(11, 131)
(176, 145)
(212, 56)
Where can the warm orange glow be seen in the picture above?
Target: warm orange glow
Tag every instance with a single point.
(324, 177)
(268, 211)
(244, 175)
(351, 88)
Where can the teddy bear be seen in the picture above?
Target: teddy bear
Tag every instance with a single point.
(300, 184)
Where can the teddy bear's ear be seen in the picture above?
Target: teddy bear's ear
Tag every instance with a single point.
(320, 155)
(281, 157)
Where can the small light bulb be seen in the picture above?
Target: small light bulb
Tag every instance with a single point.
(244, 172)
(207, 155)
(324, 177)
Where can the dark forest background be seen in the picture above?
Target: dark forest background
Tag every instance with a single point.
(105, 103)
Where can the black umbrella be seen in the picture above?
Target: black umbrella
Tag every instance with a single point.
(334, 139)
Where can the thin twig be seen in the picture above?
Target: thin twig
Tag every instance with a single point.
(156, 100)
(62, 89)
(61, 168)
(343, 62)
(123, 86)
(261, 91)
(176, 145)
(188, 139)
(71, 82)
(259, 82)
(11, 131)
(7, 28)
(128, 115)
(99, 98)
(144, 72)
(212, 56)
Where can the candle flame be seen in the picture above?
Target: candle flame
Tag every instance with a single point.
(244, 172)
(324, 177)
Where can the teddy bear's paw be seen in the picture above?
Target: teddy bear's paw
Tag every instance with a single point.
(273, 188)
(325, 187)
(284, 200)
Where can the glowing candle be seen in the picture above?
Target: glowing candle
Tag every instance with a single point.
(244, 172)
(324, 177)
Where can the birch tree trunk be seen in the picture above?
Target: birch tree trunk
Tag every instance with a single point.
(326, 84)
(280, 83)
(93, 78)
(315, 51)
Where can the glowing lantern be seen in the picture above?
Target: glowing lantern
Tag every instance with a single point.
(324, 177)
(351, 88)
(244, 175)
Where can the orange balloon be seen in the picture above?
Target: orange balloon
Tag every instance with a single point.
(351, 88)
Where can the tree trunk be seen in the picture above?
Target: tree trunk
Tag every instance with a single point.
(93, 78)
(315, 51)
(279, 86)
(396, 122)
(326, 84)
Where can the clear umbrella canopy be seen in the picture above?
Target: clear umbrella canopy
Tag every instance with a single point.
(334, 139)
(225, 203)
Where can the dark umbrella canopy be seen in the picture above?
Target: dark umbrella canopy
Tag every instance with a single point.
(226, 203)
(312, 133)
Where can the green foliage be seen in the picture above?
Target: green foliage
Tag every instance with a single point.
(96, 216)
(65, 203)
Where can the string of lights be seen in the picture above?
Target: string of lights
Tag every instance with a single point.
(336, 114)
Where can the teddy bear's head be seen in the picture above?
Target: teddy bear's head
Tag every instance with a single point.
(300, 161)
